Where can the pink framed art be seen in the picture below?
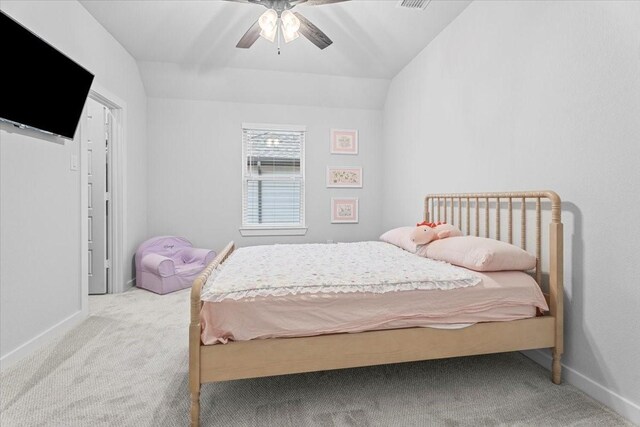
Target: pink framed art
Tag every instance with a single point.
(344, 141)
(344, 210)
(347, 177)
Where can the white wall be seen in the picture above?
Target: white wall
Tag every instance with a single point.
(536, 95)
(40, 195)
(195, 169)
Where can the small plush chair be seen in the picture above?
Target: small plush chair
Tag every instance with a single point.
(168, 263)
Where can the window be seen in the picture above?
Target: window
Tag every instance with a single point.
(273, 179)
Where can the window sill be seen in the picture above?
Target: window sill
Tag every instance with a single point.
(273, 231)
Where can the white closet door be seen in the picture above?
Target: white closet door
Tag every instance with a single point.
(97, 146)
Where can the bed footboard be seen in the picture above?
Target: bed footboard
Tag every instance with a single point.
(195, 331)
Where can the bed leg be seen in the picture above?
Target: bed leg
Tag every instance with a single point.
(195, 408)
(556, 367)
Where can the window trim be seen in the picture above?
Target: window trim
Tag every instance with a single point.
(274, 229)
(276, 127)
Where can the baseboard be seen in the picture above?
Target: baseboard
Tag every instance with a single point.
(41, 339)
(613, 400)
(130, 284)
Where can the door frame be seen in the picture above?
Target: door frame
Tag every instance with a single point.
(118, 190)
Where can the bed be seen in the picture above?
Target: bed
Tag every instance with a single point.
(238, 336)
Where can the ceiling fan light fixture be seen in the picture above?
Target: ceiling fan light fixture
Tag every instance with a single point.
(268, 20)
(269, 35)
(290, 21)
(289, 37)
(290, 26)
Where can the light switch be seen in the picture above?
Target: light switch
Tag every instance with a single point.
(74, 162)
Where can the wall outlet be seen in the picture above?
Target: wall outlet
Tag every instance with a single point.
(330, 241)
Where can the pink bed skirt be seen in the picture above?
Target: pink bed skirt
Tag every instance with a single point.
(502, 296)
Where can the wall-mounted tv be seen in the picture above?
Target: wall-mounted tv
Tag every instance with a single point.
(39, 86)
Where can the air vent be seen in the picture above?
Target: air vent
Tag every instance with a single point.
(414, 4)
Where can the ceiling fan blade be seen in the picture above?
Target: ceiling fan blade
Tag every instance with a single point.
(320, 2)
(313, 33)
(249, 37)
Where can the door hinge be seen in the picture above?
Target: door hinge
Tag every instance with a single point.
(107, 196)
(107, 263)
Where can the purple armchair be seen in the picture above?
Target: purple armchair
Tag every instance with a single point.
(168, 263)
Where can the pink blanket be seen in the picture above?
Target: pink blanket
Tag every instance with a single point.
(502, 296)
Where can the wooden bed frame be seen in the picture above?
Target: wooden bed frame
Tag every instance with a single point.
(277, 356)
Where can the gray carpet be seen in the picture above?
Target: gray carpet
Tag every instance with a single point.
(127, 366)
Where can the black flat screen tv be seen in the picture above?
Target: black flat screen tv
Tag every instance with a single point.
(39, 86)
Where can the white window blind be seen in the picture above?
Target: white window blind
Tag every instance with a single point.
(273, 176)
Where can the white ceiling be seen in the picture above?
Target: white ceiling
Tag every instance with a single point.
(372, 38)
(179, 81)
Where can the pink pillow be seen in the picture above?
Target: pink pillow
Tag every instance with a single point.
(400, 237)
(479, 254)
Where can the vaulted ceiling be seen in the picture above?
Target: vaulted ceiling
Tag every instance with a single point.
(372, 38)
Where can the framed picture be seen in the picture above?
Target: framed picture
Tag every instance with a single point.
(338, 177)
(344, 141)
(344, 210)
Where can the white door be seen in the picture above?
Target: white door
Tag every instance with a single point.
(98, 135)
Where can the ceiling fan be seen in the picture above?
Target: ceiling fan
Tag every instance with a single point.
(279, 19)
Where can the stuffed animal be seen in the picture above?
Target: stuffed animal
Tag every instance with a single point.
(426, 232)
(423, 234)
(445, 230)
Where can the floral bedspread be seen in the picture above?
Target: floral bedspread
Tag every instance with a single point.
(378, 267)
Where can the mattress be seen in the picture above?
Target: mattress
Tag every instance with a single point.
(499, 297)
(376, 267)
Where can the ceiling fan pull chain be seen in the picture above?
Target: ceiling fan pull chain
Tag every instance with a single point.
(278, 37)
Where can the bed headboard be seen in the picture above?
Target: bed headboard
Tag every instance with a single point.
(491, 215)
